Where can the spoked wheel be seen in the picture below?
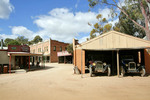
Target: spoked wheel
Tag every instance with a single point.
(122, 72)
(142, 72)
(91, 72)
(109, 71)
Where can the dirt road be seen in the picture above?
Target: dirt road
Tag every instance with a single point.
(58, 82)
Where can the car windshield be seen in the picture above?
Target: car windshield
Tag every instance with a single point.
(126, 61)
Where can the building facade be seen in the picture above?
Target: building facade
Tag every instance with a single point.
(49, 49)
(15, 57)
(111, 47)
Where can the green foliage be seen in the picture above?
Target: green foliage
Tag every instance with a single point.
(107, 28)
(22, 40)
(134, 17)
(37, 39)
(125, 25)
(70, 48)
(14, 42)
(93, 3)
(99, 16)
(7, 40)
(100, 27)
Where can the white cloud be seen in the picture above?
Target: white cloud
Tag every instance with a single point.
(4, 36)
(114, 21)
(19, 31)
(22, 31)
(62, 24)
(105, 12)
(5, 9)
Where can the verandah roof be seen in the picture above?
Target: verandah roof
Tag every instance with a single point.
(23, 54)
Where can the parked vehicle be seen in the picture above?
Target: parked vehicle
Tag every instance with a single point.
(128, 65)
(99, 66)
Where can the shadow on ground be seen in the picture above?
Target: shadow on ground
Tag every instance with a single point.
(126, 75)
(40, 68)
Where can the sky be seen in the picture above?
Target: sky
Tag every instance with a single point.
(60, 20)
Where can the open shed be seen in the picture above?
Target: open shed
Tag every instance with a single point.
(111, 46)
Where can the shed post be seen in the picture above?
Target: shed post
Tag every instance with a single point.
(10, 64)
(29, 62)
(64, 59)
(118, 63)
(81, 65)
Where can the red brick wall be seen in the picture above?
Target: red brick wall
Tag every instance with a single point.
(77, 59)
(53, 54)
(147, 61)
(18, 48)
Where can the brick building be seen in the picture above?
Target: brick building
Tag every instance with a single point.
(15, 57)
(49, 49)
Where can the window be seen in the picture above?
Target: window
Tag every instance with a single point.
(46, 48)
(54, 48)
(60, 48)
(66, 48)
(34, 51)
(39, 49)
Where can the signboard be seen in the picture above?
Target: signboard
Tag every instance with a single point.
(13, 48)
(63, 53)
(18, 48)
(25, 49)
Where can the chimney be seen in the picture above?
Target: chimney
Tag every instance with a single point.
(1, 43)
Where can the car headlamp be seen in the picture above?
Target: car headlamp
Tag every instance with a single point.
(138, 64)
(104, 63)
(127, 65)
(93, 64)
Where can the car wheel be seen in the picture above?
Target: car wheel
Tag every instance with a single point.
(91, 72)
(142, 72)
(109, 71)
(122, 72)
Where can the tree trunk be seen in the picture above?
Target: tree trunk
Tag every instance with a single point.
(147, 31)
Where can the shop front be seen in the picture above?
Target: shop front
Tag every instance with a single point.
(18, 57)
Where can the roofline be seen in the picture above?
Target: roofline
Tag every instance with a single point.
(115, 49)
(3, 49)
(39, 43)
(23, 54)
(104, 34)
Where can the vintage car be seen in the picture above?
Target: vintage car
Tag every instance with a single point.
(99, 66)
(130, 66)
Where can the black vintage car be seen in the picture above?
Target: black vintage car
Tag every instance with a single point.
(130, 66)
(99, 66)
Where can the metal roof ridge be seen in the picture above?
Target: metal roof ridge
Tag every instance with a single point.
(113, 32)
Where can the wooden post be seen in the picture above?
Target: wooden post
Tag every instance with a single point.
(81, 65)
(64, 59)
(112, 63)
(10, 64)
(29, 62)
(118, 63)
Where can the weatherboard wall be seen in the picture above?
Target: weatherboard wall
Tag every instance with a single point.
(113, 40)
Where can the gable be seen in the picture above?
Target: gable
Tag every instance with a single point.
(113, 40)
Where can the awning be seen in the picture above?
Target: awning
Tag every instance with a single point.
(23, 54)
(63, 53)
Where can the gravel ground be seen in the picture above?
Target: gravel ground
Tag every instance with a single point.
(57, 82)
